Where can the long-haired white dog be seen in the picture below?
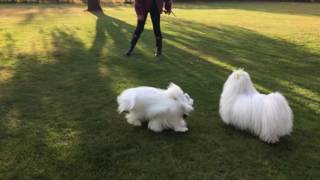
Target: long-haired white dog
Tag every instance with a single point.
(241, 105)
(163, 109)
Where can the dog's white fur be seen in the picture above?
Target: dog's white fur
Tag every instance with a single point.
(241, 105)
(163, 109)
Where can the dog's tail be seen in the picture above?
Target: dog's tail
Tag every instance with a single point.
(126, 101)
(277, 115)
(173, 91)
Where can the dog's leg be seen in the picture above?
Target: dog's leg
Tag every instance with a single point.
(155, 125)
(273, 139)
(180, 126)
(183, 123)
(133, 119)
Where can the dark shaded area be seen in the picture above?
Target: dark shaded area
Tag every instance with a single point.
(68, 127)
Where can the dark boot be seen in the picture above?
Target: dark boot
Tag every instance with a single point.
(158, 46)
(133, 43)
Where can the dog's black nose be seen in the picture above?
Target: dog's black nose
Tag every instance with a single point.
(184, 116)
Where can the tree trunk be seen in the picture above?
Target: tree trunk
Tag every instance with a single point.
(94, 5)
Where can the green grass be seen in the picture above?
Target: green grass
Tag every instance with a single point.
(61, 69)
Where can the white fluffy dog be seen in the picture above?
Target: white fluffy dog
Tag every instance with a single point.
(241, 105)
(164, 109)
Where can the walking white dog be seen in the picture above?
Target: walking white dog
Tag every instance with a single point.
(164, 109)
(241, 105)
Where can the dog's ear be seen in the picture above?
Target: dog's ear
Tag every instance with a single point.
(190, 100)
(172, 85)
(174, 91)
(187, 96)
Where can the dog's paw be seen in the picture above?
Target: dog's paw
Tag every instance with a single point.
(273, 140)
(270, 140)
(181, 129)
(157, 130)
(155, 126)
(135, 123)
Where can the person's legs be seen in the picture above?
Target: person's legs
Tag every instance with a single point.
(155, 17)
(140, 27)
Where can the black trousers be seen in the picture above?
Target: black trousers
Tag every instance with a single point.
(155, 18)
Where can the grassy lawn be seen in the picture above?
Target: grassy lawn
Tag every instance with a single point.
(61, 69)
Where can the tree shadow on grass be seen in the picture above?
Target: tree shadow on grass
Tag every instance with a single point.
(275, 63)
(51, 103)
(59, 116)
(290, 8)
